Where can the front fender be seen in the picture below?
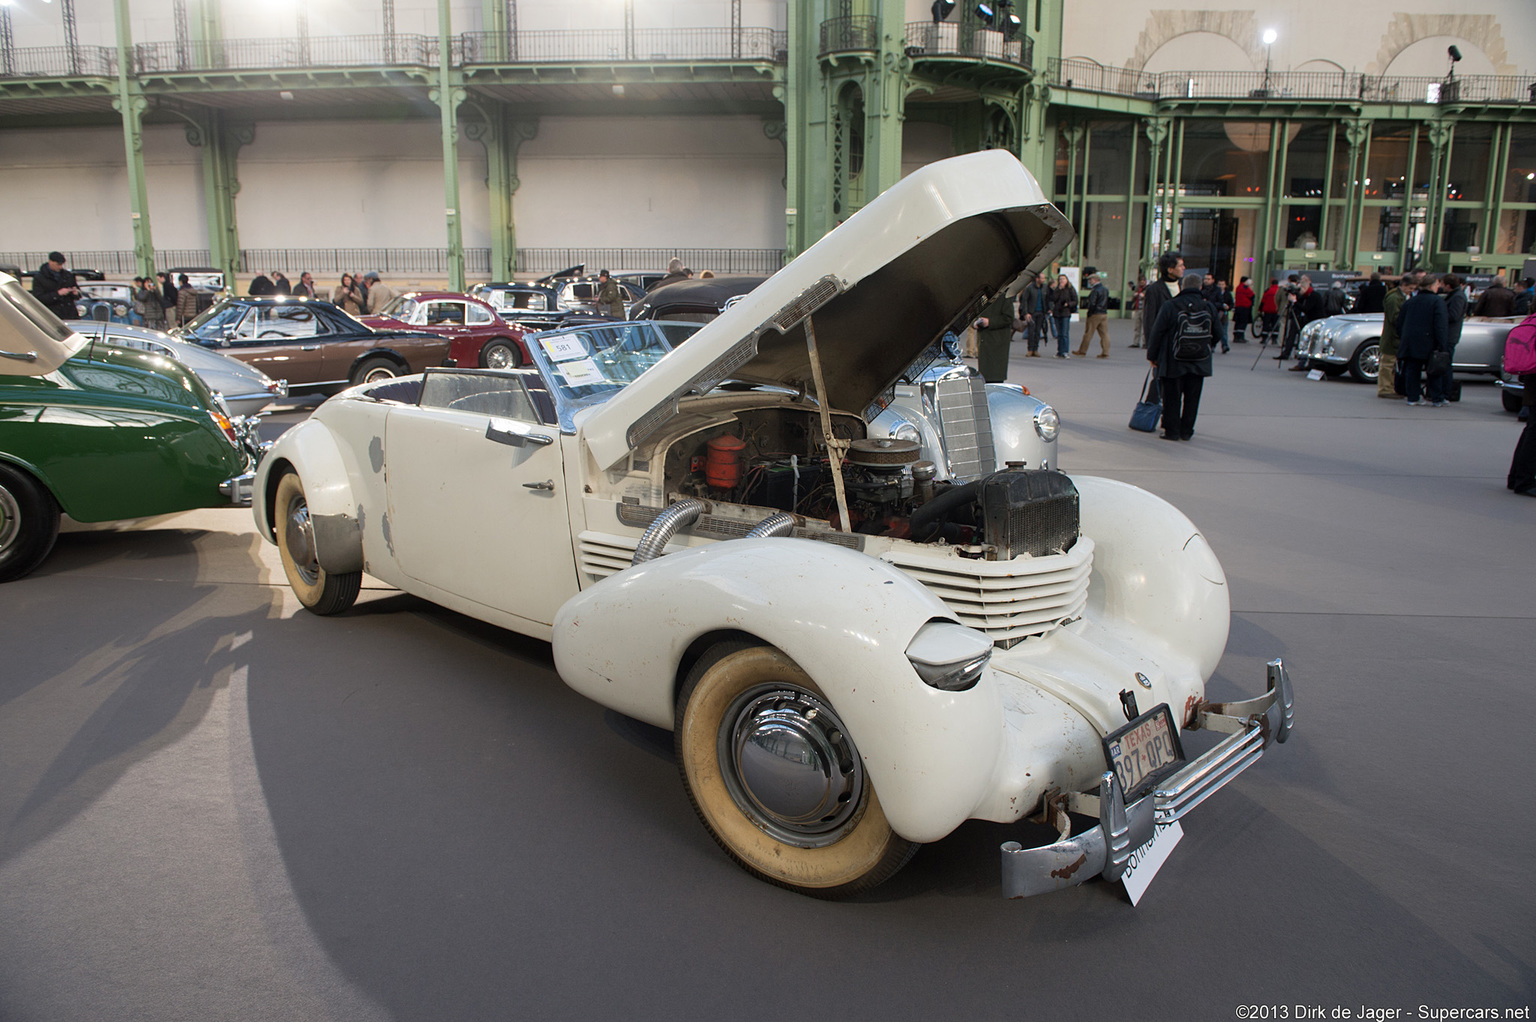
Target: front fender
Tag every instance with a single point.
(845, 618)
(1014, 435)
(1154, 570)
(311, 450)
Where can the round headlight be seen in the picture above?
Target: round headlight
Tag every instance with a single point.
(907, 431)
(1047, 423)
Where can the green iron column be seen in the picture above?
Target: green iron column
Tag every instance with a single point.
(885, 91)
(130, 102)
(1441, 137)
(1323, 217)
(1405, 230)
(1127, 288)
(1157, 134)
(1265, 244)
(493, 21)
(1074, 138)
(806, 112)
(448, 95)
(221, 143)
(208, 34)
(1493, 189)
(1357, 134)
(502, 138)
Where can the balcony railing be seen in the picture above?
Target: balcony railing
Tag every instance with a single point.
(952, 39)
(860, 33)
(58, 62)
(328, 264)
(305, 52)
(1346, 85)
(607, 45)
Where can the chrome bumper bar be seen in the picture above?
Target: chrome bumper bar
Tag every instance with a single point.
(1106, 850)
(238, 490)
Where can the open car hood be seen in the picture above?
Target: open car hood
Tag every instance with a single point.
(33, 341)
(930, 251)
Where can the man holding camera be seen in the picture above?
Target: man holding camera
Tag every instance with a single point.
(56, 288)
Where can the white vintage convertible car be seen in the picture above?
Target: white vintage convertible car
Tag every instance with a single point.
(855, 656)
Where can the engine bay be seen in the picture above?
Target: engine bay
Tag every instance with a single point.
(778, 458)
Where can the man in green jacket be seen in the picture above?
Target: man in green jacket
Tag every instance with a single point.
(994, 331)
(1390, 307)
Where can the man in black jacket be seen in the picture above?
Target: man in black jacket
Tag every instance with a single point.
(1372, 294)
(55, 287)
(1423, 327)
(1170, 267)
(1098, 314)
(1306, 307)
(1182, 356)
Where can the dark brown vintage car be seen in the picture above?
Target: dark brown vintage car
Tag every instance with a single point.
(312, 344)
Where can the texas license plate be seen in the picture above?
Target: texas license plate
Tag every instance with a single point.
(1144, 752)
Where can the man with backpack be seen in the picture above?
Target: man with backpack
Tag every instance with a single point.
(1179, 348)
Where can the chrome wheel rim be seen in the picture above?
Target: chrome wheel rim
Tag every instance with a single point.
(378, 373)
(499, 356)
(10, 519)
(790, 766)
(1370, 360)
(299, 541)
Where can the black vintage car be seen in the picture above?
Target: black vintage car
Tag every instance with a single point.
(697, 300)
(533, 307)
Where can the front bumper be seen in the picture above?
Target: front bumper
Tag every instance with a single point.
(1106, 849)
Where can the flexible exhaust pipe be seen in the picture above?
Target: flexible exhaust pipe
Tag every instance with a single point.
(664, 527)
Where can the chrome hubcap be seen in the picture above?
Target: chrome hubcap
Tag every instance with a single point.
(375, 375)
(299, 538)
(1370, 360)
(790, 766)
(10, 519)
(499, 357)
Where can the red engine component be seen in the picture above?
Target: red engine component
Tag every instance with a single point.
(722, 466)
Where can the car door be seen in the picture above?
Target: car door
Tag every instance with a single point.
(477, 504)
(284, 341)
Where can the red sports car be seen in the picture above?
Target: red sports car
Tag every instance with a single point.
(476, 335)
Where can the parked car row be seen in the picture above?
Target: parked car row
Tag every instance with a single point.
(1352, 343)
(102, 432)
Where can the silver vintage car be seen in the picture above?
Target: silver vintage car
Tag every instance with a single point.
(1352, 343)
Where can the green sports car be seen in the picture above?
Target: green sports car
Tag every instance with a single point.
(102, 433)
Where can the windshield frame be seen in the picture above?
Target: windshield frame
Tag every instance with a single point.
(650, 340)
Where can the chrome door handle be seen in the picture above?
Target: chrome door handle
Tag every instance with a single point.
(309, 347)
(548, 484)
(20, 356)
(505, 432)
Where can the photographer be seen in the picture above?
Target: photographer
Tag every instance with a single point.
(55, 287)
(1305, 307)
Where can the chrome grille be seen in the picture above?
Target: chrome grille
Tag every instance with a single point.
(966, 427)
(1009, 600)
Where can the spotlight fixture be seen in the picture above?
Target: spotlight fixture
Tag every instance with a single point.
(942, 9)
(1011, 25)
(1270, 35)
(1455, 54)
(985, 13)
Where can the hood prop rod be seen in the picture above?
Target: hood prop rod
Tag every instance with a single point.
(836, 448)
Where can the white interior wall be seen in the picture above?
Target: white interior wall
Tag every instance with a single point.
(711, 182)
(68, 188)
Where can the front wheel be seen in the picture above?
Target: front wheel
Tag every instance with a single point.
(320, 591)
(29, 523)
(500, 353)
(775, 777)
(1365, 364)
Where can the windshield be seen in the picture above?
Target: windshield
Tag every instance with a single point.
(588, 365)
(399, 307)
(212, 323)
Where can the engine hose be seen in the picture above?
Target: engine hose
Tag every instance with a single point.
(937, 510)
(665, 526)
(776, 524)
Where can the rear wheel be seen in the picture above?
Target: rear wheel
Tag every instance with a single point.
(320, 591)
(29, 523)
(500, 353)
(1365, 365)
(372, 370)
(775, 777)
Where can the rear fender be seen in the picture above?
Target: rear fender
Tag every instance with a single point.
(845, 618)
(311, 450)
